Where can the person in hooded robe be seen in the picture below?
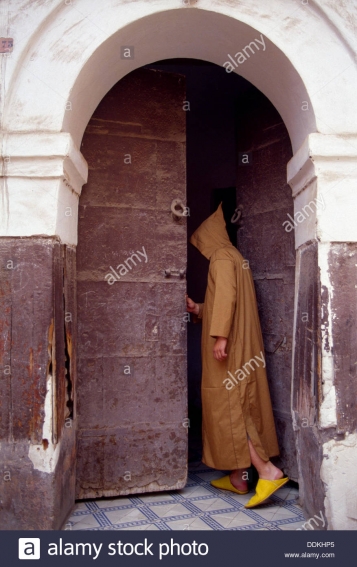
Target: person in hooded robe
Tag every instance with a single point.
(237, 420)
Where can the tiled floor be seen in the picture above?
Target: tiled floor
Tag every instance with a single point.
(198, 506)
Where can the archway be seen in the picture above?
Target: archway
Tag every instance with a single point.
(127, 377)
(57, 78)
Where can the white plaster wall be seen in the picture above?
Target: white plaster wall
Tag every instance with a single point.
(324, 169)
(43, 174)
(76, 33)
(328, 409)
(45, 459)
(69, 52)
(56, 40)
(338, 472)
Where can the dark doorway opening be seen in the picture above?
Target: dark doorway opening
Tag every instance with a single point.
(237, 151)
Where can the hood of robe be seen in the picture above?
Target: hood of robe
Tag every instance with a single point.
(211, 235)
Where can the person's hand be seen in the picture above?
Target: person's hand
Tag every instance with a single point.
(219, 349)
(192, 307)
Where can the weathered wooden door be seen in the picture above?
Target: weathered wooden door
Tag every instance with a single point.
(132, 391)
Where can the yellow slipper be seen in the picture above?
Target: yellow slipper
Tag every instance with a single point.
(225, 484)
(264, 489)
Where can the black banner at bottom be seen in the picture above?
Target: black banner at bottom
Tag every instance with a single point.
(110, 548)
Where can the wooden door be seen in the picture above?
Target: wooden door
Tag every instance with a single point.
(132, 391)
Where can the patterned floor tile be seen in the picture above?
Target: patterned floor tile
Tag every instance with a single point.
(190, 524)
(198, 506)
(107, 503)
(282, 513)
(170, 510)
(266, 513)
(143, 528)
(85, 523)
(118, 516)
(212, 504)
(193, 491)
(157, 497)
(294, 526)
(229, 521)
